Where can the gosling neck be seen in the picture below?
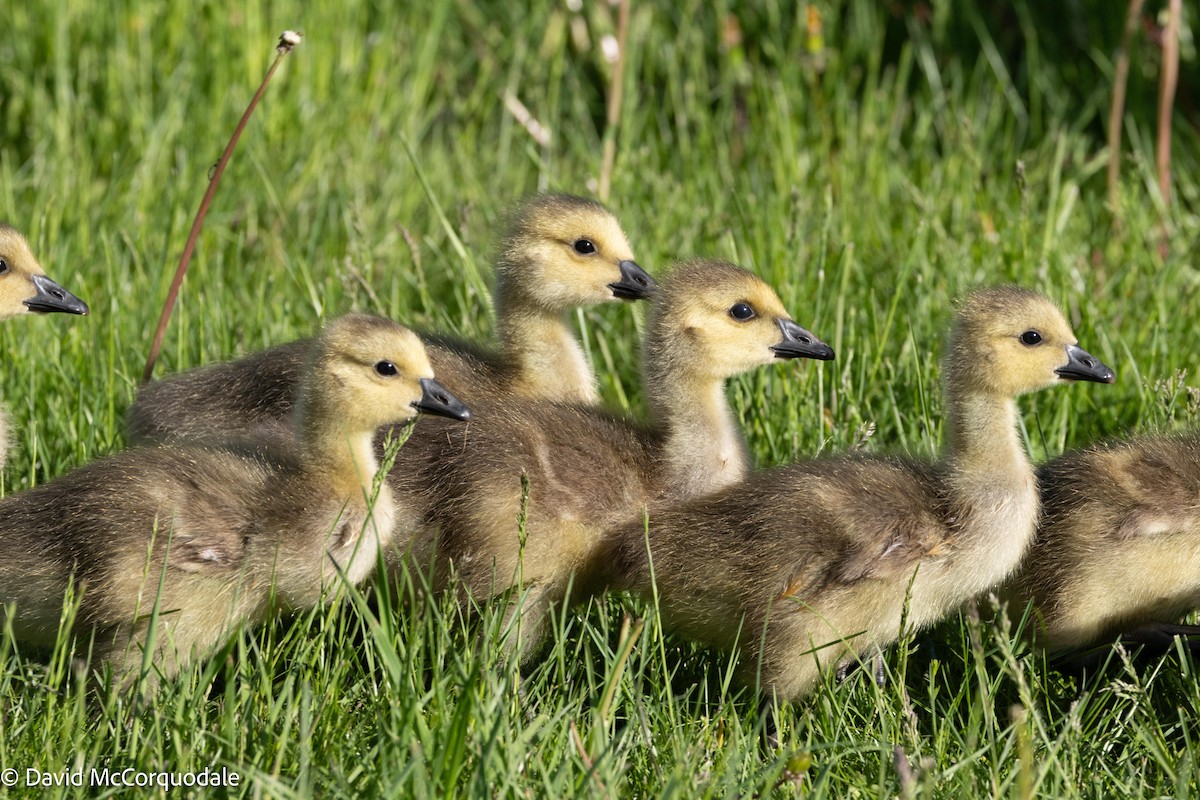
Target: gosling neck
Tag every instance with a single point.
(991, 505)
(982, 435)
(703, 449)
(344, 458)
(545, 357)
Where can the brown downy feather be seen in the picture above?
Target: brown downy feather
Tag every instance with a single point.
(804, 567)
(561, 253)
(587, 469)
(208, 537)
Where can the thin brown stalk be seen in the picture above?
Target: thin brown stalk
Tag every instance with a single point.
(577, 740)
(1166, 98)
(1116, 114)
(614, 103)
(287, 41)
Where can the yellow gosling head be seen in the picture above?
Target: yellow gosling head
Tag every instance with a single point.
(722, 320)
(563, 252)
(369, 372)
(24, 287)
(1007, 341)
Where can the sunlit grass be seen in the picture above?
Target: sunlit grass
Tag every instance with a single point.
(871, 179)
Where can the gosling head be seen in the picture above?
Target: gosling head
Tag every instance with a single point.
(1007, 341)
(563, 252)
(369, 372)
(24, 287)
(721, 320)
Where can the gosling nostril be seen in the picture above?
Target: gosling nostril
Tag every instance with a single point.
(1087, 362)
(805, 340)
(57, 294)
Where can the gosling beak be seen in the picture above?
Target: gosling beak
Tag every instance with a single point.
(799, 343)
(1083, 366)
(635, 284)
(436, 400)
(52, 297)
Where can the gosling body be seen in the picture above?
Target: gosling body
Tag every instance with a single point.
(1118, 546)
(805, 567)
(561, 253)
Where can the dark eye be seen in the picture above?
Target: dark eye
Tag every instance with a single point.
(585, 247)
(1031, 338)
(741, 311)
(387, 369)
(3, 266)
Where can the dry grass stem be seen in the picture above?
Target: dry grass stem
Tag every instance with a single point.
(1117, 112)
(287, 41)
(614, 103)
(1166, 98)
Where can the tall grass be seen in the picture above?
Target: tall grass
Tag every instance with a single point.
(871, 173)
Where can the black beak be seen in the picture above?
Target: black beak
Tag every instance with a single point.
(799, 343)
(436, 400)
(635, 284)
(52, 297)
(1083, 366)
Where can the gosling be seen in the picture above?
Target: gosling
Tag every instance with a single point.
(808, 566)
(25, 289)
(208, 537)
(561, 252)
(586, 469)
(1118, 547)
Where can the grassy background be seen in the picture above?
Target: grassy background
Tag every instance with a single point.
(871, 175)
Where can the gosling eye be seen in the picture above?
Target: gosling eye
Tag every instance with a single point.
(1030, 338)
(387, 369)
(3, 266)
(741, 312)
(585, 247)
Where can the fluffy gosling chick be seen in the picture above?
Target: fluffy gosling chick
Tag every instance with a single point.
(1118, 545)
(211, 537)
(805, 566)
(587, 469)
(561, 253)
(25, 289)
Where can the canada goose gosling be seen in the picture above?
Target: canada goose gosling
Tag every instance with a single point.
(213, 536)
(711, 322)
(803, 566)
(986, 472)
(1117, 551)
(25, 289)
(562, 253)
(351, 393)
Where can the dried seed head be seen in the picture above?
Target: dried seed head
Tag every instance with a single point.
(288, 40)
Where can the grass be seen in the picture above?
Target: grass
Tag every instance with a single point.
(871, 173)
